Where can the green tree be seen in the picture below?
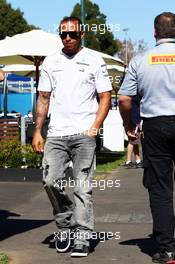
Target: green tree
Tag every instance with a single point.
(126, 50)
(98, 35)
(12, 21)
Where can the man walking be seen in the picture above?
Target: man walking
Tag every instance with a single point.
(71, 79)
(151, 75)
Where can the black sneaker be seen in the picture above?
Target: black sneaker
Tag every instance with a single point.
(139, 164)
(80, 251)
(62, 241)
(129, 165)
(164, 257)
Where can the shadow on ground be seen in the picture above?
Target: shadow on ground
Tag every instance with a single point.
(146, 245)
(11, 227)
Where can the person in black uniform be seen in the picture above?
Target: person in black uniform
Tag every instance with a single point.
(152, 76)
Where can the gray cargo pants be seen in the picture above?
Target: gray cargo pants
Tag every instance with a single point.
(58, 153)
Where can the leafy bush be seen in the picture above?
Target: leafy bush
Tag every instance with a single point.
(3, 258)
(14, 155)
(32, 159)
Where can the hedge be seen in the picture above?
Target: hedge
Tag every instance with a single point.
(14, 155)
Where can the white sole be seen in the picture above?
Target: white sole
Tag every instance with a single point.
(62, 250)
(76, 254)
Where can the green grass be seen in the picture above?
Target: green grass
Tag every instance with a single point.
(3, 258)
(108, 161)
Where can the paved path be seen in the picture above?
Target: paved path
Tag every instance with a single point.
(26, 222)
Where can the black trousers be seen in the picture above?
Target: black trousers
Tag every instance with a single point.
(159, 158)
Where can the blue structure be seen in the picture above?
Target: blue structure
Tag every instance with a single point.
(16, 78)
(18, 101)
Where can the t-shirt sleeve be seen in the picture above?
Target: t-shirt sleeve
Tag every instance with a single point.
(103, 83)
(45, 83)
(129, 85)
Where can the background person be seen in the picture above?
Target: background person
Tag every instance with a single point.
(133, 145)
(152, 76)
(133, 148)
(74, 76)
(2, 75)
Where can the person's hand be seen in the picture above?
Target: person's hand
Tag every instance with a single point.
(92, 132)
(131, 132)
(131, 135)
(38, 142)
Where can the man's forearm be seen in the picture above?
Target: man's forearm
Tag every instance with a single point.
(42, 108)
(125, 107)
(103, 109)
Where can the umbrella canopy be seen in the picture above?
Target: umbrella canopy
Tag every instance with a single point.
(29, 48)
(108, 58)
(20, 69)
(25, 47)
(115, 67)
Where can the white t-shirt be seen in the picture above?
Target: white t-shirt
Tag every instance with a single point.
(74, 83)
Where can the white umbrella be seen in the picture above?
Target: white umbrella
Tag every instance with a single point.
(33, 43)
(116, 67)
(29, 48)
(20, 69)
(106, 56)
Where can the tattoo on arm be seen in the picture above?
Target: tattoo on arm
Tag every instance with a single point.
(42, 108)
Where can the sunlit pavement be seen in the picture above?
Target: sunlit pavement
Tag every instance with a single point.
(121, 210)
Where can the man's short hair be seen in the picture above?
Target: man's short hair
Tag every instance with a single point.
(71, 19)
(164, 25)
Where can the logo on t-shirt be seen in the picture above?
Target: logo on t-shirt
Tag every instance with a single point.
(161, 59)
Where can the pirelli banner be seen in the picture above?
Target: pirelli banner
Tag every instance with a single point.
(161, 59)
